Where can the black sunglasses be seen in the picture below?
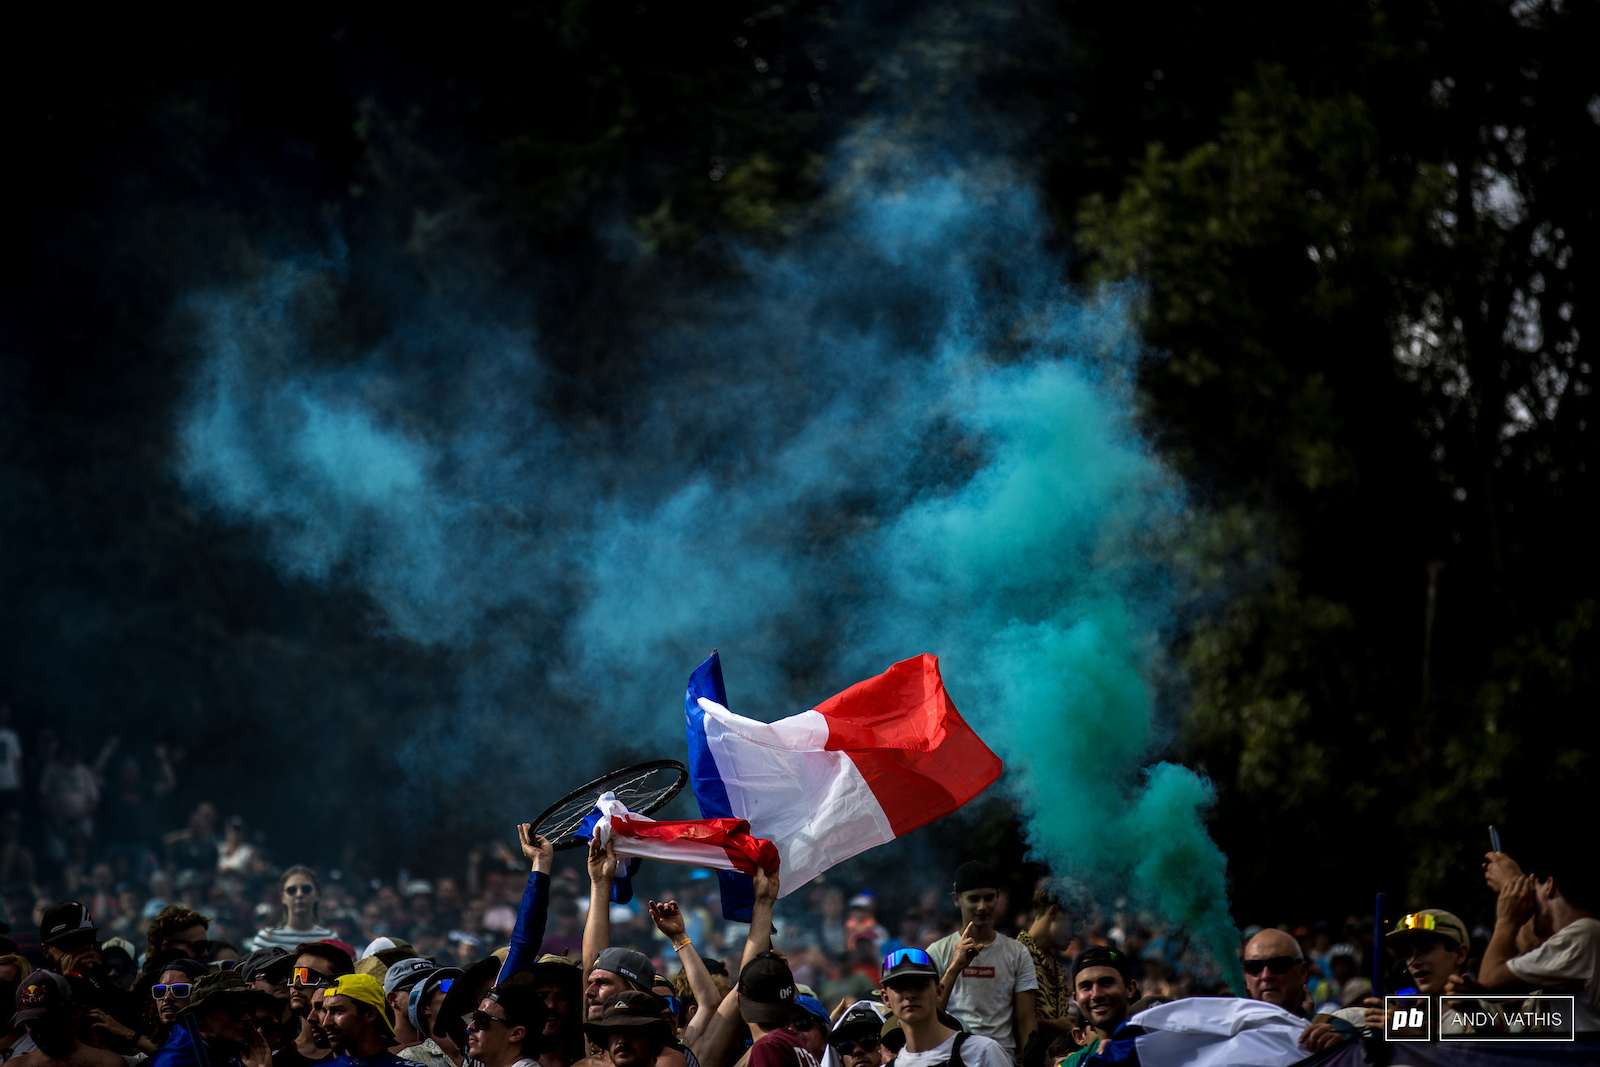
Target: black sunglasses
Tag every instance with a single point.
(803, 1022)
(479, 1020)
(869, 1043)
(298, 890)
(1277, 964)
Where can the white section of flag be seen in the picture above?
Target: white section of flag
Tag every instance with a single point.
(812, 803)
(1218, 1032)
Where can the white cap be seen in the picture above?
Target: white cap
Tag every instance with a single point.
(378, 945)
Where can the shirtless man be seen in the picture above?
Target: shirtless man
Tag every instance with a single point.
(45, 1005)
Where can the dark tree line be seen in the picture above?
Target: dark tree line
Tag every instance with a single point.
(1365, 233)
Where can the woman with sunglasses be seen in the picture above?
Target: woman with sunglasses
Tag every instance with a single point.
(300, 892)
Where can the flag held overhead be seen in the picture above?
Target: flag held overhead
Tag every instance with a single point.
(871, 764)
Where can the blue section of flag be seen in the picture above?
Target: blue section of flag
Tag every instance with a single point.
(738, 890)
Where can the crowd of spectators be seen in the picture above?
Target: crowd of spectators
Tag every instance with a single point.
(136, 928)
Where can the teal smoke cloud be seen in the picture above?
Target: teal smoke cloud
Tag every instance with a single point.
(901, 433)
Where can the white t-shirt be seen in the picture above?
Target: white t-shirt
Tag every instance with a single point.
(1569, 962)
(976, 1051)
(10, 757)
(982, 998)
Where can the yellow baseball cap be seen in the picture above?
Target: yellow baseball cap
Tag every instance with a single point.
(364, 989)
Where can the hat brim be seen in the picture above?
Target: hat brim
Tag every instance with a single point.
(602, 1031)
(564, 974)
(768, 1015)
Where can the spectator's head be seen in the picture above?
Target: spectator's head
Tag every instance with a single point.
(1059, 912)
(223, 1005)
(1103, 987)
(316, 965)
(301, 893)
(47, 1006)
(859, 1035)
(1434, 945)
(398, 981)
(175, 987)
(203, 820)
(975, 892)
(766, 992)
(355, 1016)
(14, 968)
(177, 927)
(616, 970)
(1566, 886)
(267, 969)
(631, 1029)
(811, 1022)
(506, 1025)
(1344, 960)
(662, 988)
(1274, 970)
(66, 931)
(427, 997)
(911, 987)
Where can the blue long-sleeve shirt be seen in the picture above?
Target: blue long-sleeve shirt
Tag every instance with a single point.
(528, 933)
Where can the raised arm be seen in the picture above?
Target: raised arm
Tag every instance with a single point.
(668, 918)
(1511, 911)
(727, 1026)
(760, 939)
(597, 926)
(964, 953)
(528, 932)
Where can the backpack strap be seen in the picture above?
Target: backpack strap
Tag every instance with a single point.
(955, 1050)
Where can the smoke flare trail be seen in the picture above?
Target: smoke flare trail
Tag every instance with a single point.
(901, 433)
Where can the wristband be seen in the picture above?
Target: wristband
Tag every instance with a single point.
(679, 946)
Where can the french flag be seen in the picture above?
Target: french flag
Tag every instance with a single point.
(862, 768)
(724, 844)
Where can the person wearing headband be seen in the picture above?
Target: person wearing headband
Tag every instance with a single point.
(988, 980)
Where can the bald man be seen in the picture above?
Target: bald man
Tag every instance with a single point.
(1274, 971)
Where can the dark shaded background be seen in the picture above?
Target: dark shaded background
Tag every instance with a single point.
(1398, 644)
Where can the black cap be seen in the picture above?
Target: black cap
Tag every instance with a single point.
(634, 966)
(766, 991)
(1100, 956)
(975, 874)
(40, 994)
(67, 923)
(272, 963)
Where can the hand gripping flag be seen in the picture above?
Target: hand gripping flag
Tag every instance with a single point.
(725, 844)
(877, 761)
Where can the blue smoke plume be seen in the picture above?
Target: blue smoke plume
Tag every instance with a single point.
(900, 433)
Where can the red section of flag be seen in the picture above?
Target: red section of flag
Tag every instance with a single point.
(917, 753)
(733, 836)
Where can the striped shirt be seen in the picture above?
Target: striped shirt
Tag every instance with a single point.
(287, 938)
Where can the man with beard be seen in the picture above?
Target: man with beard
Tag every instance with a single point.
(503, 1029)
(356, 1018)
(48, 1006)
(558, 984)
(316, 967)
(267, 969)
(631, 1030)
(1103, 986)
(216, 1027)
(70, 947)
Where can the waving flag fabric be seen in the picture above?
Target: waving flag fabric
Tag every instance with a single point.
(877, 761)
(724, 844)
